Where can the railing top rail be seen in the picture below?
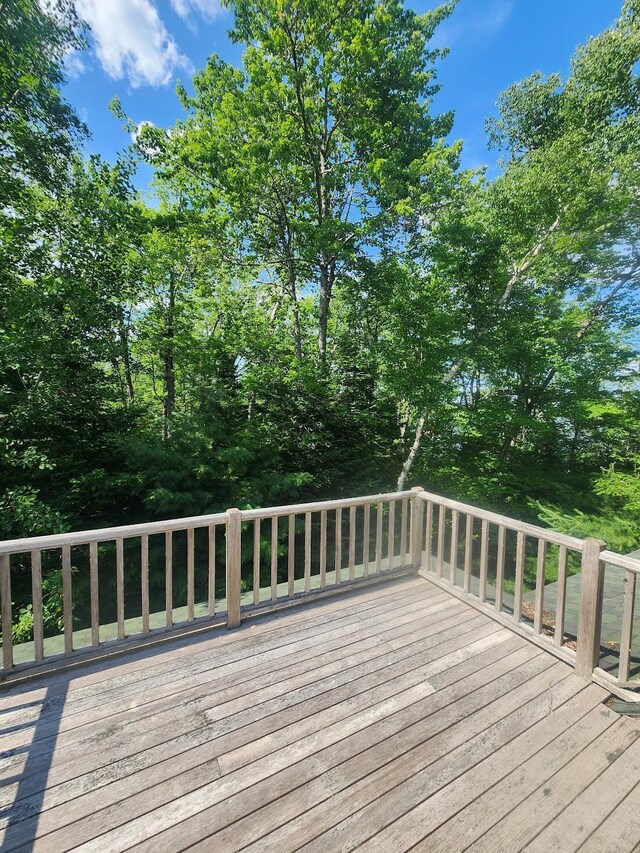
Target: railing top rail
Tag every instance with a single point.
(623, 561)
(504, 520)
(316, 506)
(107, 534)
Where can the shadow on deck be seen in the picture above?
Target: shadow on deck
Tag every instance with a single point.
(392, 717)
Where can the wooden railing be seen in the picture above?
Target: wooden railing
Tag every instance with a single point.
(324, 545)
(468, 550)
(145, 582)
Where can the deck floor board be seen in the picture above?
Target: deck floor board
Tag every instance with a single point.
(390, 717)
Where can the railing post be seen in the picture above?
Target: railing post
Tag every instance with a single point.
(416, 528)
(590, 622)
(234, 559)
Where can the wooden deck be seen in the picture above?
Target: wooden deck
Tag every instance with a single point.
(395, 717)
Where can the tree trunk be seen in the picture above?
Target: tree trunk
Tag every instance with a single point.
(169, 402)
(126, 358)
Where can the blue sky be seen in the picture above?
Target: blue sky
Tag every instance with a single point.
(140, 48)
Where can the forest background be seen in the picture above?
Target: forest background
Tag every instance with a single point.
(320, 301)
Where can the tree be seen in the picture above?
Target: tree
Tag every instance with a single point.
(561, 221)
(309, 154)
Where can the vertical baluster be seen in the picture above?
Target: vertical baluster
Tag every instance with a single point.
(67, 601)
(233, 567)
(212, 570)
(338, 555)
(191, 604)
(168, 578)
(626, 637)
(484, 559)
(561, 597)
(323, 548)
(366, 536)
(274, 558)
(540, 578)
(291, 555)
(256, 561)
(5, 605)
(379, 515)
(453, 553)
(468, 552)
(307, 551)
(144, 579)
(93, 592)
(502, 534)
(517, 596)
(36, 595)
(391, 536)
(441, 529)
(403, 532)
(428, 536)
(352, 542)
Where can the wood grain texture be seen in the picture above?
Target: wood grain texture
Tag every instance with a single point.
(67, 599)
(36, 598)
(391, 717)
(6, 611)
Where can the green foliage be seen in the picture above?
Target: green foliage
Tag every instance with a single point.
(319, 293)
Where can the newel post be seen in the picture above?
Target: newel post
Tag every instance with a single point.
(234, 560)
(591, 593)
(416, 528)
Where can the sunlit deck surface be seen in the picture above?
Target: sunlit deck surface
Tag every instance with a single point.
(393, 717)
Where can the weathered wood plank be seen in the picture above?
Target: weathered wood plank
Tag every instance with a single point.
(366, 539)
(233, 566)
(441, 531)
(211, 579)
(274, 558)
(291, 555)
(561, 596)
(352, 542)
(541, 563)
(323, 548)
(338, 546)
(517, 596)
(502, 535)
(190, 575)
(36, 598)
(435, 752)
(256, 561)
(484, 559)
(626, 637)
(463, 809)
(428, 534)
(168, 578)
(6, 611)
(391, 534)
(468, 552)
(453, 552)
(307, 551)
(403, 531)
(94, 594)
(379, 515)
(576, 823)
(144, 581)
(67, 600)
(553, 779)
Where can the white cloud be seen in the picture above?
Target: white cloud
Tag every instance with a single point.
(492, 18)
(132, 41)
(207, 8)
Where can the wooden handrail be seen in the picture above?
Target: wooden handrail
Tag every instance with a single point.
(510, 523)
(107, 534)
